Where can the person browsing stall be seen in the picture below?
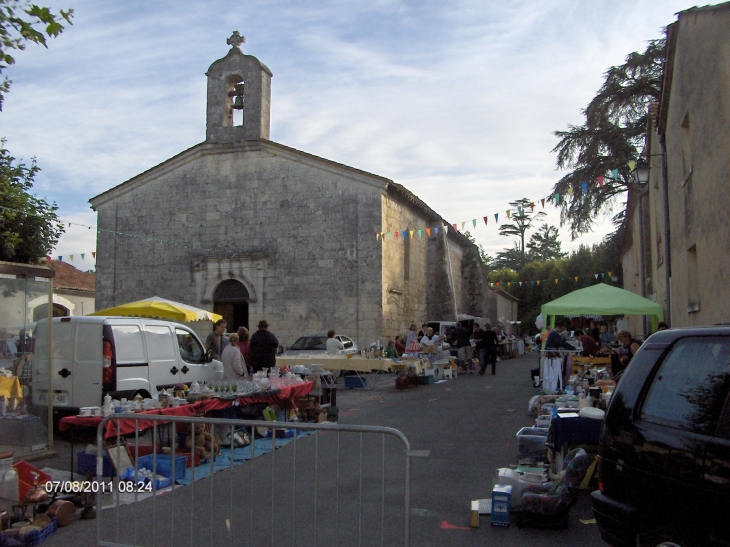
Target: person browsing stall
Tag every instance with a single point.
(263, 347)
(334, 346)
(489, 342)
(214, 342)
(590, 347)
(234, 367)
(390, 352)
(555, 338)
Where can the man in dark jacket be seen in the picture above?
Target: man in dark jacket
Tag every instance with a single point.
(263, 347)
(555, 339)
(489, 351)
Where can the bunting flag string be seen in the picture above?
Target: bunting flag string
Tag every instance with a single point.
(533, 282)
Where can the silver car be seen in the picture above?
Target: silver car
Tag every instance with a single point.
(317, 343)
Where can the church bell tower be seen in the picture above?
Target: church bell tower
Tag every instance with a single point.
(238, 83)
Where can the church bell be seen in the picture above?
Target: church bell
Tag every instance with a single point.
(238, 102)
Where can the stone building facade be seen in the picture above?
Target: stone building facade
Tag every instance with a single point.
(677, 245)
(254, 229)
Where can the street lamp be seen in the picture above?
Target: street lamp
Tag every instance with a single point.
(641, 172)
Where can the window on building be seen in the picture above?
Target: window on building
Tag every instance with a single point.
(406, 258)
(693, 289)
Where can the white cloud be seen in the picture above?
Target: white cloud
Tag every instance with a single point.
(455, 100)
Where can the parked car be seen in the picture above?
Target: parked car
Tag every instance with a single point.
(314, 343)
(121, 356)
(664, 453)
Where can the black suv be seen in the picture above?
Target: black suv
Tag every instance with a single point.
(664, 456)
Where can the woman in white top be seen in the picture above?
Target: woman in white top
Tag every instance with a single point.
(233, 367)
(430, 339)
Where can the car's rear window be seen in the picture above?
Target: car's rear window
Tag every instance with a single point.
(691, 385)
(310, 342)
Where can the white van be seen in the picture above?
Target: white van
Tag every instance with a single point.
(121, 356)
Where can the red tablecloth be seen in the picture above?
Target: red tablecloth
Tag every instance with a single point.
(286, 397)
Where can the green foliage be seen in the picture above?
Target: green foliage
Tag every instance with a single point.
(544, 244)
(29, 227)
(485, 258)
(612, 135)
(522, 220)
(22, 22)
(583, 264)
(511, 258)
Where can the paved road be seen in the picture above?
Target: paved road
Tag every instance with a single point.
(468, 425)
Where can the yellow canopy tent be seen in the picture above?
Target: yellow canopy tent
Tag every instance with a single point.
(160, 308)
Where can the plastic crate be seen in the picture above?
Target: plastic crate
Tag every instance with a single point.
(531, 445)
(86, 465)
(164, 464)
(26, 479)
(356, 382)
(32, 538)
(191, 461)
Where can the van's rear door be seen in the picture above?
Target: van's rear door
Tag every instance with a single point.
(163, 354)
(87, 369)
(131, 357)
(62, 376)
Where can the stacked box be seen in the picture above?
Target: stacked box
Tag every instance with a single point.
(501, 494)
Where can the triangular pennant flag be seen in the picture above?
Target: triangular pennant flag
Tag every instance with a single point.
(420, 233)
(82, 256)
(600, 181)
(596, 276)
(509, 283)
(396, 235)
(614, 174)
(538, 281)
(519, 210)
(557, 199)
(462, 226)
(632, 165)
(543, 202)
(377, 235)
(93, 254)
(585, 185)
(455, 228)
(520, 283)
(576, 278)
(532, 283)
(532, 206)
(486, 221)
(570, 190)
(404, 233)
(556, 281)
(60, 258)
(491, 284)
(428, 232)
(411, 233)
(474, 222)
(390, 235)
(609, 274)
(382, 235)
(497, 283)
(436, 230)
(603, 274)
(496, 217)
(508, 213)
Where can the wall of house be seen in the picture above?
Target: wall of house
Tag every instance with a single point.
(697, 141)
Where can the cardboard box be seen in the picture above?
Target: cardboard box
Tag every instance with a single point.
(321, 415)
(501, 495)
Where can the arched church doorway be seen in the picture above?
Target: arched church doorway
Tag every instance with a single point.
(230, 300)
(41, 312)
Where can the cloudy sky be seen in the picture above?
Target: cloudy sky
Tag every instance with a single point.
(456, 100)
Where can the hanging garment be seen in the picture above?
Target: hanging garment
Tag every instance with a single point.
(553, 374)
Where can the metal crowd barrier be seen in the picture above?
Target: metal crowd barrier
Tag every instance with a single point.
(346, 485)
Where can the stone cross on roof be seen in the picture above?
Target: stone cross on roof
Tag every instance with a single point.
(236, 39)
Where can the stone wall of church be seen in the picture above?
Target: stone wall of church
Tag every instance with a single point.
(311, 227)
(405, 267)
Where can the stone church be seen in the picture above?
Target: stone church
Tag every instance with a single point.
(253, 229)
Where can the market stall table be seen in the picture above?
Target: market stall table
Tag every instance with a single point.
(286, 395)
(337, 363)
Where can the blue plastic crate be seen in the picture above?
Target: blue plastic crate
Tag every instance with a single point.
(162, 482)
(86, 465)
(356, 382)
(30, 539)
(164, 465)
